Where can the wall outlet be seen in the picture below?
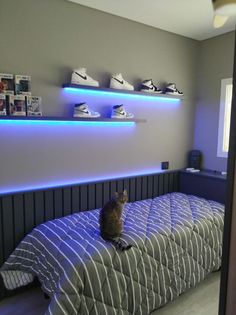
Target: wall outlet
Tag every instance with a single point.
(165, 165)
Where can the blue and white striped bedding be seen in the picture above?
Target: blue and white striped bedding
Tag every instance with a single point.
(177, 241)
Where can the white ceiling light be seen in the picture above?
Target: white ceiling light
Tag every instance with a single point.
(219, 20)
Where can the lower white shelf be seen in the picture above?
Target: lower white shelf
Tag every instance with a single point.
(48, 118)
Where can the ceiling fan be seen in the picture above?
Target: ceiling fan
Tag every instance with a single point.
(223, 10)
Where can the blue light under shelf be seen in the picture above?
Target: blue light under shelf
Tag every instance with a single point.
(52, 121)
(75, 89)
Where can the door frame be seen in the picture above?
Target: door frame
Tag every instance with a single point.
(227, 301)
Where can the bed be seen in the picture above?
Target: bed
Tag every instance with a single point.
(176, 238)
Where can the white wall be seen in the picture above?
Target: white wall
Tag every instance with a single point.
(47, 39)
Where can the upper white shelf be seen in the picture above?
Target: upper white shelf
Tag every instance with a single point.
(101, 90)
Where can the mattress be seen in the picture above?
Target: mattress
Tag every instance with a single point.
(176, 238)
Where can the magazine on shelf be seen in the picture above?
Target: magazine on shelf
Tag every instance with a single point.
(6, 84)
(17, 105)
(34, 106)
(23, 84)
(3, 107)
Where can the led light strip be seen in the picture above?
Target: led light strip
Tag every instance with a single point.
(65, 122)
(101, 92)
(42, 186)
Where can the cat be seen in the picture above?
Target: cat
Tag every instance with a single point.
(110, 220)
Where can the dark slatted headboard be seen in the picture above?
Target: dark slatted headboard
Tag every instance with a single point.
(21, 212)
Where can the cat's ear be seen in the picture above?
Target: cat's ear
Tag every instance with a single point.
(125, 192)
(116, 194)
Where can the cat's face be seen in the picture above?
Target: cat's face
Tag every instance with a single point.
(121, 197)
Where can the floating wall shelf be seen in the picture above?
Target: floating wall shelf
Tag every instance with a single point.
(73, 119)
(102, 90)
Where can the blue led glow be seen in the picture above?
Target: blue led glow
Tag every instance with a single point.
(69, 122)
(43, 185)
(126, 95)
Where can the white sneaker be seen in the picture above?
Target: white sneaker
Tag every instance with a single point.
(82, 110)
(118, 111)
(117, 82)
(172, 90)
(148, 86)
(79, 76)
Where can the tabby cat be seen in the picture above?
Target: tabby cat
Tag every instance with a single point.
(110, 220)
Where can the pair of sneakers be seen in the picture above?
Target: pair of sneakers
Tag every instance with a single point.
(80, 76)
(117, 82)
(82, 110)
(171, 89)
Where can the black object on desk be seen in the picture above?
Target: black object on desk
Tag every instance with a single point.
(195, 159)
(206, 183)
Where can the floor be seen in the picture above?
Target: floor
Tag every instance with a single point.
(201, 300)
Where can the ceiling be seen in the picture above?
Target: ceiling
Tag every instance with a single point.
(190, 18)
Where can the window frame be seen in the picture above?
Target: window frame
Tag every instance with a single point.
(221, 126)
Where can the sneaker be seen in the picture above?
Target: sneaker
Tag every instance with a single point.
(148, 86)
(117, 82)
(82, 110)
(172, 90)
(79, 76)
(118, 111)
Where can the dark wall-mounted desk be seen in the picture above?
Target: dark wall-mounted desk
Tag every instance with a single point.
(207, 184)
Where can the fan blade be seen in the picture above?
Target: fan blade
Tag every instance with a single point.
(224, 7)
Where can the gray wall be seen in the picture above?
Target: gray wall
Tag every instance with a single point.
(215, 63)
(47, 39)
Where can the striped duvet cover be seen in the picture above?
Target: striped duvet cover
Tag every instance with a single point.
(177, 241)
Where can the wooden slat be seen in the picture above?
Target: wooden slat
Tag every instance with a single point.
(160, 184)
(48, 205)
(144, 187)
(29, 215)
(8, 228)
(126, 185)
(99, 195)
(91, 197)
(171, 182)
(35, 205)
(176, 182)
(149, 186)
(132, 190)
(18, 208)
(113, 188)
(138, 189)
(166, 183)
(67, 201)
(83, 198)
(120, 185)
(155, 185)
(106, 192)
(75, 198)
(58, 203)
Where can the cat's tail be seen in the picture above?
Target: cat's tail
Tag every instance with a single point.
(119, 244)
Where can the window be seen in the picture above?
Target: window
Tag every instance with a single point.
(224, 119)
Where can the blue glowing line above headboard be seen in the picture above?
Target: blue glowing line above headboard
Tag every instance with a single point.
(41, 185)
